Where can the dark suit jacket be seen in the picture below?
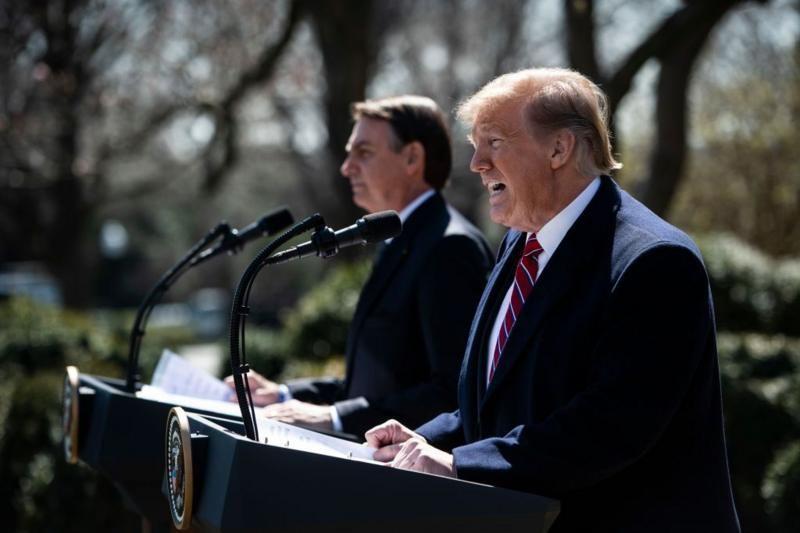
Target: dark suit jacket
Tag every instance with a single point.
(407, 337)
(607, 395)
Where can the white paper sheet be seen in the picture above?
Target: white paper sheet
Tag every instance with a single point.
(279, 434)
(176, 375)
(203, 404)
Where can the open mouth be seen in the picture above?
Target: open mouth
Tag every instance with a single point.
(496, 187)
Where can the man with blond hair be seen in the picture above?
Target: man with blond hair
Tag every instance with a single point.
(591, 370)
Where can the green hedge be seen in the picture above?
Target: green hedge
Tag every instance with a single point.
(39, 491)
(752, 292)
(316, 328)
(313, 335)
(761, 390)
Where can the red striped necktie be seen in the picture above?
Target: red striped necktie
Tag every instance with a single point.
(524, 278)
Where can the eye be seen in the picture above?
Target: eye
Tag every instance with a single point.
(494, 142)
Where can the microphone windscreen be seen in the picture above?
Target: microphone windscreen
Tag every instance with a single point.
(381, 226)
(275, 221)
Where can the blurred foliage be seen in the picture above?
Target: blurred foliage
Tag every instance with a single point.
(265, 351)
(36, 484)
(761, 389)
(313, 334)
(316, 327)
(752, 292)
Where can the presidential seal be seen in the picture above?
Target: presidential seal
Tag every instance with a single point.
(179, 468)
(69, 414)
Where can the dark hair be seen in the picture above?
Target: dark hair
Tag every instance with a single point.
(415, 118)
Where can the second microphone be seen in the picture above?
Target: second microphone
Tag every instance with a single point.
(326, 242)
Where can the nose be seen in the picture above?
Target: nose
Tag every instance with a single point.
(479, 162)
(346, 167)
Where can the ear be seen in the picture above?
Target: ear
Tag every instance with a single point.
(563, 147)
(415, 158)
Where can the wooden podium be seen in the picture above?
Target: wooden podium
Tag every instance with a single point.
(218, 480)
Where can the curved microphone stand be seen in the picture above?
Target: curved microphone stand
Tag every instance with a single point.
(155, 294)
(240, 310)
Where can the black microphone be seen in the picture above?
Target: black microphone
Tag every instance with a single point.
(326, 243)
(234, 240)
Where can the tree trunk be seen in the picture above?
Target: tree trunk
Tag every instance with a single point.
(668, 158)
(580, 38)
(348, 47)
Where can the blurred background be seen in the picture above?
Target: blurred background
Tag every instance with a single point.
(128, 128)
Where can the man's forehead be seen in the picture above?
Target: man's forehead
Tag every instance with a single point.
(504, 116)
(368, 131)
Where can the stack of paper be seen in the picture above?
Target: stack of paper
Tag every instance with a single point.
(177, 381)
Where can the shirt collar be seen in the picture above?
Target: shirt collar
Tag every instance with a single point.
(553, 232)
(414, 204)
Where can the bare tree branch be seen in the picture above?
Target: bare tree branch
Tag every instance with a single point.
(222, 152)
(691, 18)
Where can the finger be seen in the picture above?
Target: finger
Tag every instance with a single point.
(387, 453)
(378, 436)
(272, 410)
(408, 456)
(278, 409)
(390, 432)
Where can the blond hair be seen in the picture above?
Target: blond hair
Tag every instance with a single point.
(552, 99)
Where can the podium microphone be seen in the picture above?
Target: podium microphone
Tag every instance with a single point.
(327, 243)
(232, 241)
(235, 240)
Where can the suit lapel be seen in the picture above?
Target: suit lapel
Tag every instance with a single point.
(577, 251)
(473, 370)
(390, 260)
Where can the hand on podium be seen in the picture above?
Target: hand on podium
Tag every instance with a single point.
(264, 391)
(402, 448)
(301, 413)
(267, 394)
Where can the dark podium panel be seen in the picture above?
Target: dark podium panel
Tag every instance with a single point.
(122, 436)
(241, 485)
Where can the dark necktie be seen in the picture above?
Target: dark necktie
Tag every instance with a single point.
(524, 278)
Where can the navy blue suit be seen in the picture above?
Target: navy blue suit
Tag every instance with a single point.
(607, 394)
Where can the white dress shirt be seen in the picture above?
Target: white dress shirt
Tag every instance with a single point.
(549, 237)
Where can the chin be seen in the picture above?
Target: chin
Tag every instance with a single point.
(359, 202)
(499, 217)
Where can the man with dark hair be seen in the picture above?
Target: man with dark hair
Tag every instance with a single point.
(591, 370)
(407, 337)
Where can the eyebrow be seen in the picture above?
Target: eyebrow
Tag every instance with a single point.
(358, 144)
(495, 125)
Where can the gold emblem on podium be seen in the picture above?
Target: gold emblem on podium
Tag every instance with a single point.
(179, 468)
(69, 414)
